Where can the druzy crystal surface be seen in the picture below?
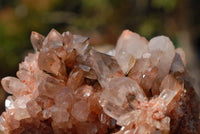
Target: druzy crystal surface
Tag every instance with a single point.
(67, 87)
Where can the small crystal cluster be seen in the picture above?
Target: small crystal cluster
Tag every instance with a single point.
(140, 87)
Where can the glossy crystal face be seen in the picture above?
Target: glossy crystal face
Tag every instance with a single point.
(140, 87)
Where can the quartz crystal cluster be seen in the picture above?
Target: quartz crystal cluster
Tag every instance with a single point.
(66, 86)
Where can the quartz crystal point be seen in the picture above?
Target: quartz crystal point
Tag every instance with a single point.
(67, 87)
(130, 46)
(162, 54)
(37, 40)
(54, 39)
(104, 66)
(14, 86)
(117, 95)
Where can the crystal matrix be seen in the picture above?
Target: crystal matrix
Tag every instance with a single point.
(141, 87)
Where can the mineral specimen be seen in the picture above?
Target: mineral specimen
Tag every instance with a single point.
(68, 87)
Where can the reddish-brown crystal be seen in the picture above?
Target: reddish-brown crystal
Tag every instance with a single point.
(140, 87)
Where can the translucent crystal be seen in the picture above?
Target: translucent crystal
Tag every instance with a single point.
(21, 114)
(80, 44)
(162, 54)
(130, 46)
(171, 89)
(144, 73)
(104, 66)
(26, 77)
(37, 40)
(67, 39)
(68, 87)
(20, 102)
(84, 91)
(119, 93)
(2, 128)
(49, 62)
(64, 98)
(80, 110)
(75, 78)
(59, 114)
(14, 86)
(93, 101)
(33, 108)
(177, 66)
(53, 40)
(50, 87)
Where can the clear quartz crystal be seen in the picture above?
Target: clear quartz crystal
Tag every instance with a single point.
(130, 46)
(104, 66)
(115, 98)
(139, 87)
(163, 52)
(80, 110)
(36, 40)
(84, 91)
(54, 39)
(14, 86)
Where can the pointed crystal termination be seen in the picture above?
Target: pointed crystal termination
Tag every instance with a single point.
(177, 67)
(104, 66)
(171, 90)
(182, 55)
(144, 73)
(67, 39)
(49, 62)
(14, 86)
(37, 40)
(130, 46)
(119, 94)
(68, 87)
(80, 44)
(53, 40)
(163, 52)
(50, 87)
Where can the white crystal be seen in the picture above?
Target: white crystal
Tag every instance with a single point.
(130, 46)
(9, 102)
(162, 53)
(114, 98)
